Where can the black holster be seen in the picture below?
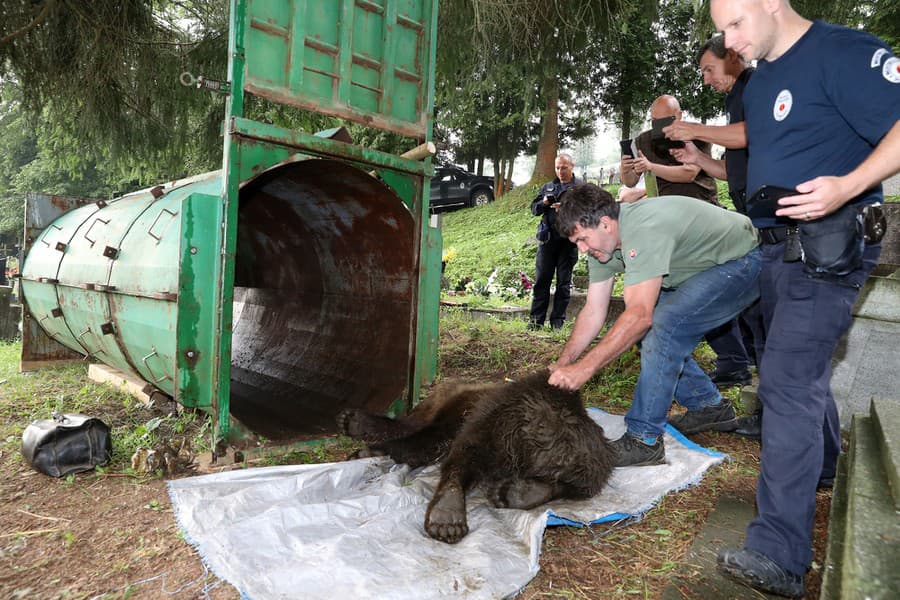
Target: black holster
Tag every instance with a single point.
(834, 244)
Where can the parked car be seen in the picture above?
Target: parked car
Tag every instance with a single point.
(453, 188)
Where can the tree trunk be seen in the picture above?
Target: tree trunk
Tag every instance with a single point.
(548, 144)
(626, 122)
(509, 171)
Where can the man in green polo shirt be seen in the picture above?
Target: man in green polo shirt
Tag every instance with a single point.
(688, 267)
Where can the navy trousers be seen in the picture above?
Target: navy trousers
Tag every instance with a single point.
(728, 344)
(805, 317)
(555, 256)
(739, 343)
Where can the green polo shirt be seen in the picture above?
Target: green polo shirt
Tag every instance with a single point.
(675, 237)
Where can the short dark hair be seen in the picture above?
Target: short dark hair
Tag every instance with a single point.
(584, 205)
(716, 45)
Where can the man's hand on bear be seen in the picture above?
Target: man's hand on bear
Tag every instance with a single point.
(569, 377)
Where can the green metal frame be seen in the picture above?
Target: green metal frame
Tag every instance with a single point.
(365, 60)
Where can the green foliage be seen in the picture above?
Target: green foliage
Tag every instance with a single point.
(527, 62)
(678, 73)
(628, 59)
(488, 112)
(496, 239)
(498, 236)
(108, 71)
(650, 54)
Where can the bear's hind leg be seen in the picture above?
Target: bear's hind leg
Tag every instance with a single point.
(421, 448)
(522, 493)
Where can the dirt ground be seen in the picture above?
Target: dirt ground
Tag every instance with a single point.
(113, 535)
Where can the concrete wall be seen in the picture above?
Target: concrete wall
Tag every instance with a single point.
(866, 362)
(892, 186)
(890, 245)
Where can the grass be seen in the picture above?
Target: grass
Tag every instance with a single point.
(496, 237)
(30, 396)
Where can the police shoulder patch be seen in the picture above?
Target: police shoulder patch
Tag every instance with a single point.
(876, 58)
(891, 69)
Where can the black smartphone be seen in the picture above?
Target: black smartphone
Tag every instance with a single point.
(764, 202)
(659, 137)
(625, 145)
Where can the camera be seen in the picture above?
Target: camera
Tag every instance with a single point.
(549, 198)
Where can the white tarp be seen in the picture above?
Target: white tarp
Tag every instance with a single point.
(355, 529)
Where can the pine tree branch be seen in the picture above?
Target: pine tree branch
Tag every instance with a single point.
(45, 10)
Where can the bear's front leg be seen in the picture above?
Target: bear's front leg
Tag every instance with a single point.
(445, 519)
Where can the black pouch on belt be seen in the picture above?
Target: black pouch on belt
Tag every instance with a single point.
(792, 250)
(65, 444)
(875, 222)
(834, 244)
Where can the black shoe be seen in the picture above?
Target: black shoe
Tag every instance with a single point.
(727, 379)
(760, 572)
(632, 452)
(750, 426)
(719, 417)
(535, 326)
(556, 325)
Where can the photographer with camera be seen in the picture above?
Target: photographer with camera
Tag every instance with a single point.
(672, 177)
(555, 254)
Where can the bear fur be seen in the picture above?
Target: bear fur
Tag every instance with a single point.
(525, 442)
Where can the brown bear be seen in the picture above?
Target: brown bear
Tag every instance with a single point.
(525, 442)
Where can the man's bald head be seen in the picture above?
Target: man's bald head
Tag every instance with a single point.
(665, 106)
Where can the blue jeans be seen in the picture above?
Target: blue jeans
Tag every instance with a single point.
(681, 317)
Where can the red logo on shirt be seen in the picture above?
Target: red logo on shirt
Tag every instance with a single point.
(632, 253)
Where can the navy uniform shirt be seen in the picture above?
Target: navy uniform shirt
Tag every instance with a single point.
(555, 187)
(820, 109)
(736, 158)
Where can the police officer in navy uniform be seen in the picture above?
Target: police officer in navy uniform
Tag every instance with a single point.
(556, 254)
(823, 119)
(725, 71)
